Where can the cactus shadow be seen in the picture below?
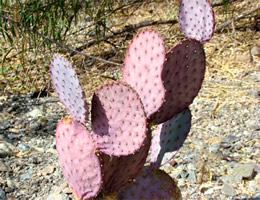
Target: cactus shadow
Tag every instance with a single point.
(99, 118)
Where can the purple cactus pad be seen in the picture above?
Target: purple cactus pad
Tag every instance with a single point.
(143, 66)
(66, 85)
(78, 161)
(120, 171)
(155, 184)
(196, 19)
(118, 119)
(182, 75)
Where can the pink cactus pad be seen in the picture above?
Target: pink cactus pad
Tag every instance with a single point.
(66, 85)
(169, 137)
(77, 159)
(155, 184)
(119, 171)
(118, 119)
(143, 66)
(182, 75)
(196, 18)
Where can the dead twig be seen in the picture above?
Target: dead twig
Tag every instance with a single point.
(56, 42)
(236, 18)
(127, 28)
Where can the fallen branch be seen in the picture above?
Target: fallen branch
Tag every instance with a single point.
(236, 18)
(127, 28)
(56, 42)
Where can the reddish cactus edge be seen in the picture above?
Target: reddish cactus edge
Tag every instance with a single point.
(183, 73)
(155, 184)
(169, 137)
(118, 119)
(67, 86)
(196, 19)
(117, 172)
(78, 161)
(143, 66)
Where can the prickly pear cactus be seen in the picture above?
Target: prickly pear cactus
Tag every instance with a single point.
(118, 119)
(66, 85)
(111, 158)
(169, 137)
(151, 184)
(196, 19)
(77, 158)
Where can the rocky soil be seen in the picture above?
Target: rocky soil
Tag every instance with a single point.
(219, 160)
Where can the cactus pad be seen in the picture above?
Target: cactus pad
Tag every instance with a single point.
(182, 75)
(143, 66)
(118, 119)
(77, 159)
(196, 18)
(169, 137)
(119, 171)
(155, 184)
(66, 85)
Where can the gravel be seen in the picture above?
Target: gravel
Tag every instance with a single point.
(219, 159)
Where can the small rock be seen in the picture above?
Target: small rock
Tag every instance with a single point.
(27, 175)
(214, 148)
(256, 196)
(230, 139)
(35, 113)
(2, 195)
(52, 150)
(192, 177)
(47, 170)
(209, 191)
(255, 51)
(231, 179)
(6, 149)
(245, 171)
(57, 196)
(35, 126)
(228, 189)
(5, 124)
(23, 147)
(4, 167)
(10, 183)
